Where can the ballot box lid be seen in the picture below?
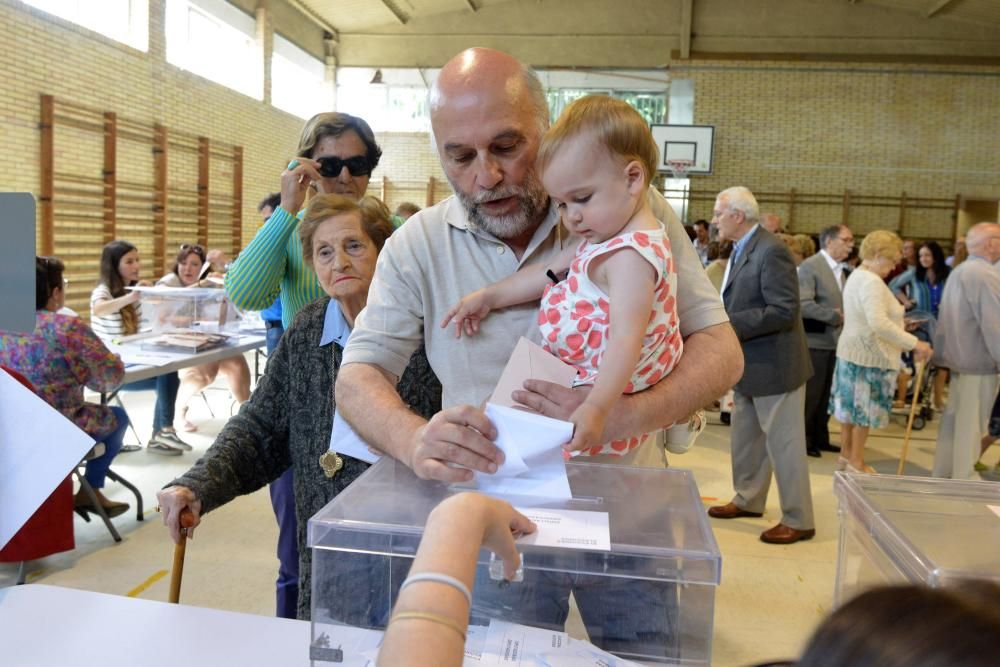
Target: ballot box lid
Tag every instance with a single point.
(931, 531)
(658, 526)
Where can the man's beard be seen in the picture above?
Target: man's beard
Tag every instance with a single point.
(532, 204)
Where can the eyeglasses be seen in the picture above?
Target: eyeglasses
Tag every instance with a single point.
(357, 165)
(193, 247)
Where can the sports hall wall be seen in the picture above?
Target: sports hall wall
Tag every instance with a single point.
(873, 129)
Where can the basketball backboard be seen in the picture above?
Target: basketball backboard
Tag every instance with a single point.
(685, 142)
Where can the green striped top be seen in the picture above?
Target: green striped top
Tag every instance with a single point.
(270, 265)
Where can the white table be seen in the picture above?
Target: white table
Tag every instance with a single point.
(46, 625)
(247, 341)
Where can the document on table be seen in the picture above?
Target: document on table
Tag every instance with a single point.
(38, 448)
(136, 357)
(534, 463)
(571, 529)
(344, 440)
(522, 645)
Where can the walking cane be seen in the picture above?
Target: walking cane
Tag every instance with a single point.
(187, 520)
(913, 411)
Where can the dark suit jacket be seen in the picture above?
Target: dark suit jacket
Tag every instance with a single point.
(762, 299)
(819, 295)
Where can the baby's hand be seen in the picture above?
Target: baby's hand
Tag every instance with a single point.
(468, 312)
(588, 427)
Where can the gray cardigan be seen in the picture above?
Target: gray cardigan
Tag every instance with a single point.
(287, 422)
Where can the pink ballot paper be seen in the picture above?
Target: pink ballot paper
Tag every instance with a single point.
(530, 362)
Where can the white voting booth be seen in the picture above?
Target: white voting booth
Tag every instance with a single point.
(633, 547)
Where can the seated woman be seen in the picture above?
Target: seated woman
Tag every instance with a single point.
(289, 418)
(61, 357)
(187, 273)
(116, 312)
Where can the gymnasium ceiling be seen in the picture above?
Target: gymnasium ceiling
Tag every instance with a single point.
(652, 33)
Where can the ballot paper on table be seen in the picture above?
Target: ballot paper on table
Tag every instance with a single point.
(533, 459)
(522, 645)
(344, 440)
(529, 361)
(570, 529)
(38, 448)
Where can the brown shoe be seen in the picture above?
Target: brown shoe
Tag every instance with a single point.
(730, 511)
(782, 534)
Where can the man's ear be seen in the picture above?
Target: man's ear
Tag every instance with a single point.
(635, 177)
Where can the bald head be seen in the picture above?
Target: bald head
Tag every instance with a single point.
(477, 73)
(983, 240)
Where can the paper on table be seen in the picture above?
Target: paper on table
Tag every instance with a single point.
(133, 357)
(529, 361)
(571, 529)
(38, 448)
(513, 644)
(344, 440)
(534, 464)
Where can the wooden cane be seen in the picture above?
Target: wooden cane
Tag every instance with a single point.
(186, 520)
(913, 411)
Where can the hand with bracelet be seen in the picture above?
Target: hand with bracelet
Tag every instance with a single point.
(432, 612)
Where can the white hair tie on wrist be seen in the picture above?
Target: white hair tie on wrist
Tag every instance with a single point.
(439, 578)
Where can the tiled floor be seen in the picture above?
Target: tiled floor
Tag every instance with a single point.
(770, 599)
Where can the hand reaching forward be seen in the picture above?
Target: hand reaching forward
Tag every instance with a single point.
(588, 426)
(468, 312)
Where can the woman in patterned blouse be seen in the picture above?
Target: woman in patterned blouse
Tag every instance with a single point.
(61, 357)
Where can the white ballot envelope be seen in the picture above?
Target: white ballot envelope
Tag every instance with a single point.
(38, 448)
(532, 447)
(529, 361)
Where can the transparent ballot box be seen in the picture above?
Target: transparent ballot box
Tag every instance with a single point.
(920, 530)
(649, 598)
(167, 309)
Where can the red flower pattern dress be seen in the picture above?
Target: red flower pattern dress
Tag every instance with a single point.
(575, 313)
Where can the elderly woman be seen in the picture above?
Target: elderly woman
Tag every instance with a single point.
(188, 266)
(288, 420)
(868, 352)
(61, 357)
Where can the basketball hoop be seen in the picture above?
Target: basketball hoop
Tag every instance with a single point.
(679, 167)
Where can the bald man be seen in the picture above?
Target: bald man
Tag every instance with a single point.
(967, 342)
(771, 223)
(488, 115)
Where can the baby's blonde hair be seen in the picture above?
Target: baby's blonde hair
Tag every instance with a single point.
(613, 123)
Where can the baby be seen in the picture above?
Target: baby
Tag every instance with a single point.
(596, 163)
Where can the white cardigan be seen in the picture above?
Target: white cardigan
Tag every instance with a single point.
(873, 334)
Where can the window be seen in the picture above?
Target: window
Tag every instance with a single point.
(398, 104)
(652, 106)
(215, 40)
(125, 21)
(298, 81)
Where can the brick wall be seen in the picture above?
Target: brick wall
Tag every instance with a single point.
(930, 131)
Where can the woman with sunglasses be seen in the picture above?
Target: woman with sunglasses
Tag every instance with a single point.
(191, 260)
(117, 312)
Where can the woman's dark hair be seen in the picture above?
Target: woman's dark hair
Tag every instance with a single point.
(941, 270)
(48, 277)
(188, 249)
(110, 257)
(911, 626)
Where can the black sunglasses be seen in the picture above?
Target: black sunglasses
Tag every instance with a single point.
(357, 165)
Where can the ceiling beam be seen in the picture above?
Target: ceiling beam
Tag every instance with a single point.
(687, 10)
(400, 16)
(938, 7)
(472, 6)
(314, 17)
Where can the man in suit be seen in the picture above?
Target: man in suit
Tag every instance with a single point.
(761, 295)
(821, 283)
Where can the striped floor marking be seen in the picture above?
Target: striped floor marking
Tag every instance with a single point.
(156, 576)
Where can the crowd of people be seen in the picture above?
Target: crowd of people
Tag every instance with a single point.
(552, 233)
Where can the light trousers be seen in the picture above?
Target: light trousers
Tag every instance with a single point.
(964, 424)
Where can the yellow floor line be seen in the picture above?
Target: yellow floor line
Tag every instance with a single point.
(156, 576)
